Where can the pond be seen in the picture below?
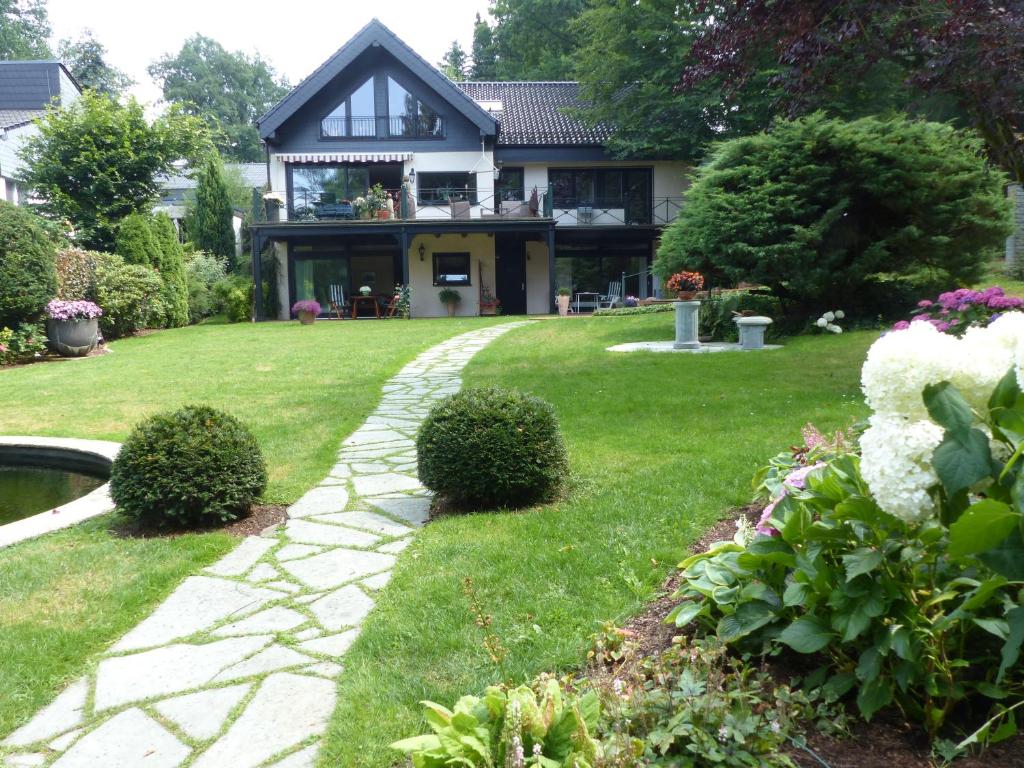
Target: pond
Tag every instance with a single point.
(27, 490)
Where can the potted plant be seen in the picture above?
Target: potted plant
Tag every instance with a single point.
(563, 301)
(73, 326)
(450, 298)
(686, 284)
(365, 290)
(307, 310)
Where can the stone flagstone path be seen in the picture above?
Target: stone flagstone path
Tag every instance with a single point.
(237, 668)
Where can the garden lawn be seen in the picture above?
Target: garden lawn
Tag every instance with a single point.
(66, 596)
(300, 389)
(661, 445)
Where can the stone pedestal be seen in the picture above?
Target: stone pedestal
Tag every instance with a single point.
(752, 331)
(686, 324)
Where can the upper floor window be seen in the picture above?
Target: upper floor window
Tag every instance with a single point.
(396, 113)
(628, 189)
(440, 188)
(510, 185)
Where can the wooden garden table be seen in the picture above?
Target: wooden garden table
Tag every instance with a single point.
(359, 299)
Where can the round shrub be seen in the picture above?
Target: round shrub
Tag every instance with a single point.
(195, 466)
(130, 296)
(28, 278)
(489, 447)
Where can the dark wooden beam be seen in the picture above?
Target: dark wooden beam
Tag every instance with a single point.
(257, 276)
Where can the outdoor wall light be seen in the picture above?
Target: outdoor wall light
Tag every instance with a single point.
(423, 251)
(412, 175)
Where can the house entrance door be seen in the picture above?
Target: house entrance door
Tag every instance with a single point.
(510, 273)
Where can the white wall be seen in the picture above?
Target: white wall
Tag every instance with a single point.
(423, 299)
(538, 293)
(10, 142)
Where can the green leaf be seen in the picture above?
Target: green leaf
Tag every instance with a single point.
(981, 527)
(1007, 559)
(947, 407)
(747, 618)
(839, 685)
(873, 696)
(869, 665)
(1015, 637)
(998, 627)
(963, 459)
(806, 635)
(861, 561)
(686, 612)
(417, 743)
(1006, 392)
(795, 594)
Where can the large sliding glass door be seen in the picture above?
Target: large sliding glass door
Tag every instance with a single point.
(321, 279)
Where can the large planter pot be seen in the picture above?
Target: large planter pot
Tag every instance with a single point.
(563, 305)
(307, 318)
(73, 338)
(450, 306)
(686, 295)
(384, 214)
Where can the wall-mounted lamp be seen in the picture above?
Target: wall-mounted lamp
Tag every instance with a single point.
(412, 175)
(423, 251)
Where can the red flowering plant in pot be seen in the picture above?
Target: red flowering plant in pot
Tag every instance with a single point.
(306, 310)
(686, 284)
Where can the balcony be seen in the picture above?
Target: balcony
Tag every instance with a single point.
(400, 127)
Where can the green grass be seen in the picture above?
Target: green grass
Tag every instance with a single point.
(301, 389)
(65, 596)
(996, 274)
(661, 445)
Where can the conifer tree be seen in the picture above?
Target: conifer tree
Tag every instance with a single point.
(210, 225)
(172, 270)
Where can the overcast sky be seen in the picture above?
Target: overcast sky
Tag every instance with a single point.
(295, 37)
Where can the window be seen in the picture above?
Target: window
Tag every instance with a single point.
(511, 184)
(313, 186)
(359, 115)
(451, 269)
(439, 188)
(628, 189)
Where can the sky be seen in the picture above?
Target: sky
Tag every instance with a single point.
(294, 37)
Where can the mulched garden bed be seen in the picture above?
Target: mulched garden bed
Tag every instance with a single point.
(886, 742)
(261, 518)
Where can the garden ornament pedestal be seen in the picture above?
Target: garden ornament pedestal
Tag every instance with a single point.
(686, 324)
(751, 331)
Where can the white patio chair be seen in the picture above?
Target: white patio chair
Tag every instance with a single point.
(613, 297)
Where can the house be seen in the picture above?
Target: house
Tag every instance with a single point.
(491, 189)
(27, 89)
(177, 188)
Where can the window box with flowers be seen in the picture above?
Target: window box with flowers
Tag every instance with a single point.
(73, 327)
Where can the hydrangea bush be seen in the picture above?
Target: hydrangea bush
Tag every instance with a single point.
(956, 311)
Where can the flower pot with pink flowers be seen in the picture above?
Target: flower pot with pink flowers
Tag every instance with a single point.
(686, 285)
(306, 310)
(73, 327)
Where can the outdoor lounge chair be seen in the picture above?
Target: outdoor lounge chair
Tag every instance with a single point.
(337, 302)
(613, 297)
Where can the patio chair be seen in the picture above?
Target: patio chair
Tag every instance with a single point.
(613, 297)
(337, 301)
(460, 208)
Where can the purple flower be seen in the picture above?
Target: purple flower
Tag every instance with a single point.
(306, 305)
(72, 310)
(924, 303)
(763, 526)
(902, 325)
(798, 477)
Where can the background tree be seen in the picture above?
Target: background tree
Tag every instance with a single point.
(485, 56)
(229, 90)
(961, 57)
(86, 59)
(210, 222)
(24, 30)
(829, 213)
(454, 62)
(536, 39)
(135, 242)
(97, 161)
(172, 270)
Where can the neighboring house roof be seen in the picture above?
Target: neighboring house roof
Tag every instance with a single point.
(375, 34)
(534, 113)
(32, 84)
(253, 174)
(15, 118)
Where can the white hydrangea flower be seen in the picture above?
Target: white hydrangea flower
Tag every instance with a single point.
(839, 314)
(829, 317)
(833, 328)
(986, 355)
(821, 322)
(896, 456)
(901, 363)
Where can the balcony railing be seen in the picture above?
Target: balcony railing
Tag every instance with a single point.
(465, 203)
(401, 126)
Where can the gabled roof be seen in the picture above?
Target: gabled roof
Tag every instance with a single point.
(534, 113)
(31, 84)
(15, 118)
(374, 34)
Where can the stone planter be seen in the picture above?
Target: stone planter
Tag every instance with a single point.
(563, 305)
(687, 323)
(686, 295)
(307, 318)
(73, 338)
(752, 331)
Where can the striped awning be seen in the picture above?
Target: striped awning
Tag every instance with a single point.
(344, 157)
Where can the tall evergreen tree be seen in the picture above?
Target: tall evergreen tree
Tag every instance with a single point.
(210, 225)
(485, 55)
(172, 270)
(86, 59)
(536, 39)
(135, 242)
(454, 62)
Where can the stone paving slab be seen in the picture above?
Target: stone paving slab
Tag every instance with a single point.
(260, 635)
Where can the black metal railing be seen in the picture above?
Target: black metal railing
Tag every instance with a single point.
(383, 127)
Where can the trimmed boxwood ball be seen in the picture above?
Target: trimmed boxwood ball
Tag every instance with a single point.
(490, 448)
(194, 467)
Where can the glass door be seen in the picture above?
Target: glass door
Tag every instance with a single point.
(322, 279)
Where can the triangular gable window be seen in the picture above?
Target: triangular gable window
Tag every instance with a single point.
(357, 116)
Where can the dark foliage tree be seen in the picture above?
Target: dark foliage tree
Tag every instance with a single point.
(455, 62)
(210, 222)
(829, 213)
(135, 242)
(229, 90)
(485, 57)
(968, 53)
(536, 39)
(24, 30)
(172, 270)
(86, 59)
(99, 160)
